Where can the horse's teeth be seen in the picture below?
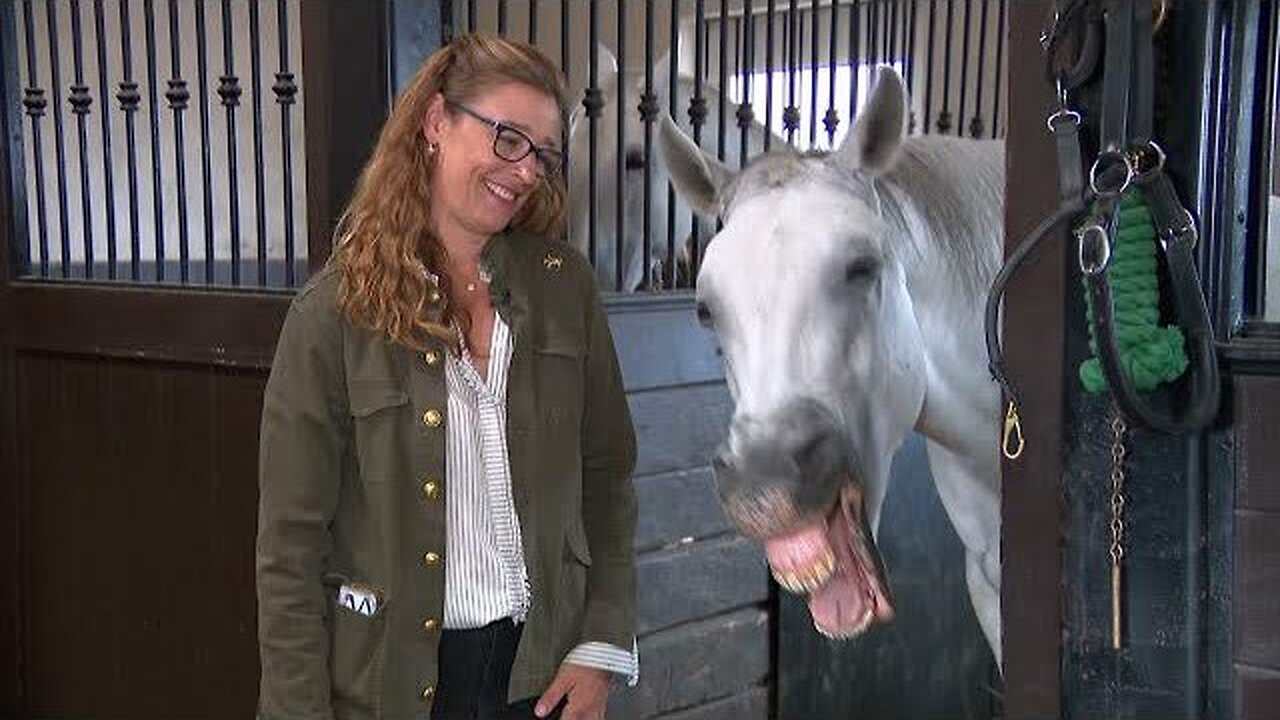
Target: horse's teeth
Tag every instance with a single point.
(809, 578)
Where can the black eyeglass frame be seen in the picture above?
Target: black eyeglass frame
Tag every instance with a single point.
(550, 160)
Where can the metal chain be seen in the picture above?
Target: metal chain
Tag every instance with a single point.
(1118, 452)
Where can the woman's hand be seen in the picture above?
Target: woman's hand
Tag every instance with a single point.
(587, 690)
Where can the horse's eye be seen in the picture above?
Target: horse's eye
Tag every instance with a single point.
(861, 270)
(704, 314)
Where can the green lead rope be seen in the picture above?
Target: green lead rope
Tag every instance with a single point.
(1150, 354)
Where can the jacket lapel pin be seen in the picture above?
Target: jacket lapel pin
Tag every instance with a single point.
(551, 261)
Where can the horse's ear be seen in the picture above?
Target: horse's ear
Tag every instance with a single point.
(877, 134)
(697, 176)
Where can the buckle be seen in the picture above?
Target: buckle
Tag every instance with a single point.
(1094, 249)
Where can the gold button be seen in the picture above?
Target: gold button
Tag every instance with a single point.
(434, 296)
(429, 692)
(429, 624)
(430, 559)
(431, 489)
(431, 356)
(432, 418)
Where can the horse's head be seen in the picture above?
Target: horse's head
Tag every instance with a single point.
(822, 350)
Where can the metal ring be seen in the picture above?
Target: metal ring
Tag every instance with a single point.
(1138, 153)
(1071, 115)
(1103, 251)
(1102, 163)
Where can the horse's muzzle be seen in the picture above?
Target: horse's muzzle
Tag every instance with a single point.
(779, 472)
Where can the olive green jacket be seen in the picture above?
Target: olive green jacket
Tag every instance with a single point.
(352, 491)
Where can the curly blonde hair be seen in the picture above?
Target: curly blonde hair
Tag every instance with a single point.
(385, 239)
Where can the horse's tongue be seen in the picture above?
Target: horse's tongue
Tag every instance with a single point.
(856, 595)
(803, 559)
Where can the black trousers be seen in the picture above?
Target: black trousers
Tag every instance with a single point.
(475, 669)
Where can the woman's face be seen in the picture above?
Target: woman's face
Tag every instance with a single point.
(474, 191)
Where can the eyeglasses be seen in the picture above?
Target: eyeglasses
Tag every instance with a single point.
(513, 145)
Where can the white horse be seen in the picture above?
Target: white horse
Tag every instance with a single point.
(632, 161)
(846, 291)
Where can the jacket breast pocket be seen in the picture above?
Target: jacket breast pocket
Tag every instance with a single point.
(378, 412)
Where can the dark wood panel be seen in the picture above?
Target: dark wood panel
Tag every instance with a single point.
(1033, 338)
(688, 666)
(1257, 693)
(1258, 443)
(698, 580)
(660, 342)
(345, 83)
(216, 328)
(678, 428)
(750, 705)
(677, 507)
(142, 513)
(11, 566)
(1257, 591)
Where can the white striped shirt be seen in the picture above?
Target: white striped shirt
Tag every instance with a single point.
(486, 578)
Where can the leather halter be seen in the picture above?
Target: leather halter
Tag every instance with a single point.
(1119, 31)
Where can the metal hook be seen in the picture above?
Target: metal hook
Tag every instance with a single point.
(1012, 443)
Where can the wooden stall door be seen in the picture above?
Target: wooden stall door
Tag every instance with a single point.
(128, 436)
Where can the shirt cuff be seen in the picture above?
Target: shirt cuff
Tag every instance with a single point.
(610, 657)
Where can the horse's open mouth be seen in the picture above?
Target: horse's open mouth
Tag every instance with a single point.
(836, 563)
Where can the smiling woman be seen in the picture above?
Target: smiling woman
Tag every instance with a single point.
(492, 569)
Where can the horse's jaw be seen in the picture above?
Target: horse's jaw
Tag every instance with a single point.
(835, 561)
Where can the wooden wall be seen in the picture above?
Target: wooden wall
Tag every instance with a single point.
(1256, 656)
(704, 591)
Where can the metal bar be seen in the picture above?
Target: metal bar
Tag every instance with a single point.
(502, 18)
(129, 99)
(108, 173)
(892, 24)
(724, 87)
(471, 15)
(81, 105)
(620, 167)
(909, 69)
(745, 114)
(1002, 27)
(944, 117)
(533, 22)
(153, 112)
(697, 116)
(591, 101)
(673, 102)
(964, 66)
(259, 179)
(35, 105)
(831, 119)
(206, 160)
(648, 112)
(770, 9)
(177, 97)
(564, 36)
(928, 74)
(975, 125)
(791, 114)
(286, 89)
(229, 91)
(855, 60)
(813, 73)
(58, 142)
(873, 31)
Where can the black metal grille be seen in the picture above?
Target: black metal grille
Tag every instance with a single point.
(135, 133)
(748, 74)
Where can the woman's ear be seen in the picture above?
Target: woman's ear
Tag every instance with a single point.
(433, 121)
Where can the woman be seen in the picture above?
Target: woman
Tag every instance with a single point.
(446, 514)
